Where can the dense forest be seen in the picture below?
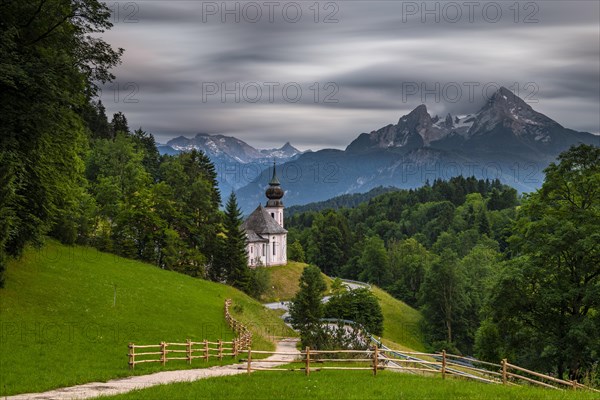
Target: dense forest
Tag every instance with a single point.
(345, 200)
(493, 275)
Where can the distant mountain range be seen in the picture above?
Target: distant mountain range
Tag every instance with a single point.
(236, 162)
(505, 124)
(506, 139)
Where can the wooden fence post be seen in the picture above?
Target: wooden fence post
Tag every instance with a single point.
(131, 356)
(443, 364)
(375, 360)
(206, 355)
(234, 348)
(189, 351)
(504, 378)
(574, 384)
(220, 350)
(163, 349)
(307, 367)
(249, 368)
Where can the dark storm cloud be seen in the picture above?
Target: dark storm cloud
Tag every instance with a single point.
(374, 55)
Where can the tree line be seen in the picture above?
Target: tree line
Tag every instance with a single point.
(493, 275)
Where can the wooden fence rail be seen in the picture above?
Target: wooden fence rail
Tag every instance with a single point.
(180, 351)
(244, 336)
(193, 350)
(439, 363)
(379, 359)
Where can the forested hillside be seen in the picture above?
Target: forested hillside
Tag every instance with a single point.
(492, 277)
(346, 200)
(399, 240)
(68, 172)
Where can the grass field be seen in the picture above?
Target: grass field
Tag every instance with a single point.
(345, 385)
(60, 324)
(401, 323)
(285, 281)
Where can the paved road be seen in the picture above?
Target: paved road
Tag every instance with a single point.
(117, 386)
(353, 285)
(285, 305)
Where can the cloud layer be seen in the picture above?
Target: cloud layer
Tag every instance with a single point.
(319, 74)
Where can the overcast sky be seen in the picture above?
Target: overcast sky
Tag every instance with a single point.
(317, 74)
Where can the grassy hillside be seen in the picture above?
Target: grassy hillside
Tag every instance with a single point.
(346, 385)
(285, 281)
(401, 323)
(60, 324)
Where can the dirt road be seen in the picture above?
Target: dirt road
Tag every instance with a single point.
(116, 386)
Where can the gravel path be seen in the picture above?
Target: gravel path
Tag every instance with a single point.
(116, 386)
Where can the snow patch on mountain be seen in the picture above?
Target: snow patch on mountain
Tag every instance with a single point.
(231, 148)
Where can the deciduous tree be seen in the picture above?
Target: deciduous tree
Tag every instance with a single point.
(553, 293)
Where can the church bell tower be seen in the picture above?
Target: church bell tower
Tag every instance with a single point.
(274, 193)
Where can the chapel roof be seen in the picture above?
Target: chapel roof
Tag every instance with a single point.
(261, 222)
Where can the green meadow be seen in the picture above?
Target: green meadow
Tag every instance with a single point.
(67, 315)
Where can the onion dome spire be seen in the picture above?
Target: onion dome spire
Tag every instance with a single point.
(274, 192)
(274, 180)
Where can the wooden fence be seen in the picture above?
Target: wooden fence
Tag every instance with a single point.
(190, 350)
(244, 336)
(426, 363)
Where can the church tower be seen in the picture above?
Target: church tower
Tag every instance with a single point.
(266, 239)
(274, 193)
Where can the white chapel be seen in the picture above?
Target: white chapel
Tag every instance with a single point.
(266, 243)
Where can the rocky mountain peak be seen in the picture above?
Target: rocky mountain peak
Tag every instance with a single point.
(286, 151)
(506, 109)
(504, 99)
(288, 147)
(417, 115)
(505, 120)
(448, 122)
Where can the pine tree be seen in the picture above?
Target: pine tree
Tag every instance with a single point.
(483, 222)
(207, 169)
(145, 142)
(233, 260)
(306, 308)
(119, 124)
